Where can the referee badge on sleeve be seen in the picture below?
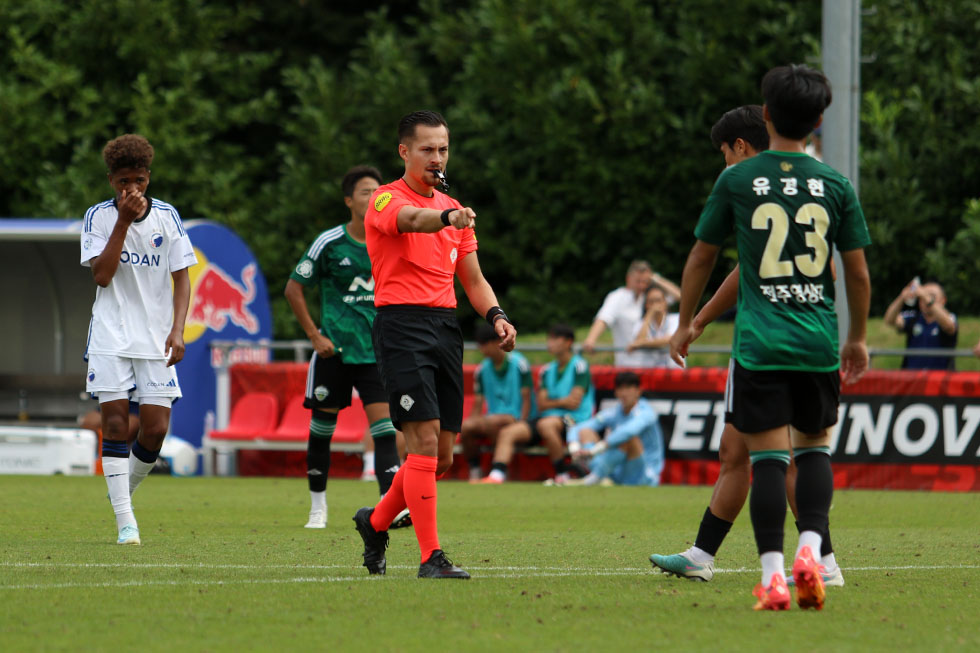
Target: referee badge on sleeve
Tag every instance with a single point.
(406, 402)
(381, 201)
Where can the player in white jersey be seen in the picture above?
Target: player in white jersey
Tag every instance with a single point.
(135, 246)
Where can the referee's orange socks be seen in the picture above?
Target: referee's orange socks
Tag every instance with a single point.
(420, 495)
(392, 503)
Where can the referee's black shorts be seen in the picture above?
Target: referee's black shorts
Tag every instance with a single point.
(761, 400)
(420, 358)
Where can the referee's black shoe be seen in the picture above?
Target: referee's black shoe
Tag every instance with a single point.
(439, 566)
(375, 543)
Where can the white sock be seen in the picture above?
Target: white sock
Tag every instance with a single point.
(116, 472)
(699, 556)
(811, 539)
(368, 459)
(772, 565)
(497, 475)
(829, 561)
(137, 471)
(318, 501)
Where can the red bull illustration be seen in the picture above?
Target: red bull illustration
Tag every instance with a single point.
(216, 297)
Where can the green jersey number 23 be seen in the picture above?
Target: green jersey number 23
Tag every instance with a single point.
(773, 217)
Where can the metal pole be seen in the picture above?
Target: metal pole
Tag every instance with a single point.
(841, 43)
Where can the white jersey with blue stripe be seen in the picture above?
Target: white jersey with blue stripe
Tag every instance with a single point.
(133, 315)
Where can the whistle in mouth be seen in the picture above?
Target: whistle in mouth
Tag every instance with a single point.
(442, 180)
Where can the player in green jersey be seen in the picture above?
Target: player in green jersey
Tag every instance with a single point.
(787, 211)
(337, 264)
(739, 134)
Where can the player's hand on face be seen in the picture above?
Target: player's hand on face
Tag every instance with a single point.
(679, 342)
(131, 205)
(853, 361)
(323, 345)
(507, 334)
(463, 218)
(174, 345)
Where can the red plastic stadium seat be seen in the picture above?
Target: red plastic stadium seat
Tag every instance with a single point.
(352, 423)
(253, 416)
(468, 405)
(295, 422)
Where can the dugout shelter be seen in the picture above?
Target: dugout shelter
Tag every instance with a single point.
(47, 298)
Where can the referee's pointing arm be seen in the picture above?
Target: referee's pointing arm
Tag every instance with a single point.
(414, 219)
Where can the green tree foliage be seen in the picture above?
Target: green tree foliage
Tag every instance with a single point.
(583, 134)
(579, 129)
(920, 146)
(955, 263)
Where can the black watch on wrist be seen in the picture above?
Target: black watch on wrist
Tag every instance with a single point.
(496, 313)
(444, 216)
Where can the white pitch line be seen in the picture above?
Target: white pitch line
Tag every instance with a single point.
(279, 581)
(743, 570)
(520, 572)
(582, 570)
(201, 565)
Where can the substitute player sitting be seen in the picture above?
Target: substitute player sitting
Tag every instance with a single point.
(566, 395)
(503, 382)
(343, 358)
(632, 452)
(787, 211)
(136, 247)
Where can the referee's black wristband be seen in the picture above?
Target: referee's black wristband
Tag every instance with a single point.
(444, 216)
(496, 313)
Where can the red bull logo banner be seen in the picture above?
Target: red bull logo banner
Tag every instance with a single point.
(217, 298)
(229, 301)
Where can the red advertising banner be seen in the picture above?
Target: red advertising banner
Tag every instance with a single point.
(895, 430)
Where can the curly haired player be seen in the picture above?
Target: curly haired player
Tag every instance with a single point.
(135, 246)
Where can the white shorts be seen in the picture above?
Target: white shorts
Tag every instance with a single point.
(135, 378)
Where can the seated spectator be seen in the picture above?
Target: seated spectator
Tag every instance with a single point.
(503, 382)
(920, 312)
(565, 396)
(652, 338)
(622, 311)
(632, 452)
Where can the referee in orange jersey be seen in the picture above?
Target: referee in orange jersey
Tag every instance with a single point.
(418, 238)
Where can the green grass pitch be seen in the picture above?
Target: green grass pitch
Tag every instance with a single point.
(226, 565)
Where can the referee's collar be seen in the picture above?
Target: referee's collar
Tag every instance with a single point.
(409, 187)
